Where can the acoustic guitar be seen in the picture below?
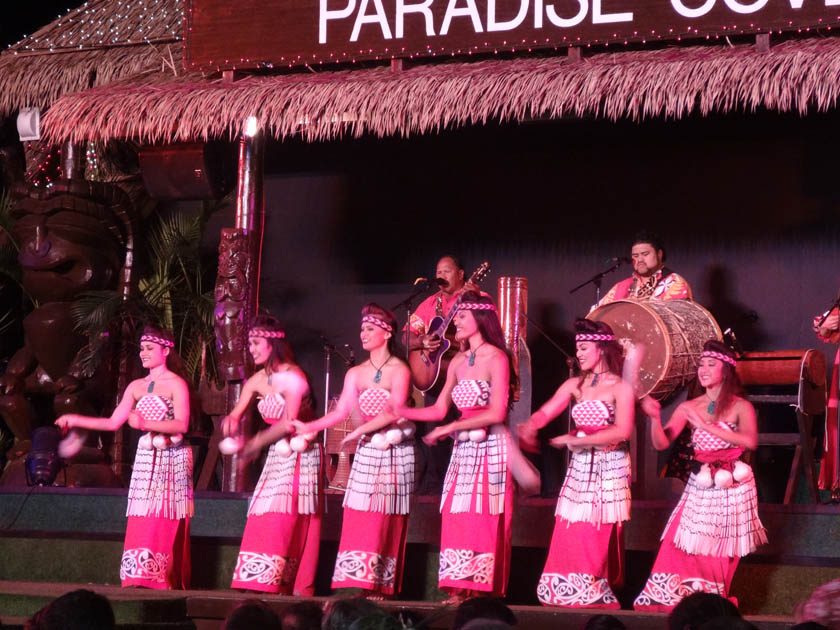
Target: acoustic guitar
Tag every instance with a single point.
(425, 365)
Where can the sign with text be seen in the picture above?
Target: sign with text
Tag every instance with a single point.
(230, 34)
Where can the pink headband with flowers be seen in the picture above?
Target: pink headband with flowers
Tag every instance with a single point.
(166, 343)
(719, 356)
(476, 306)
(268, 334)
(376, 321)
(594, 337)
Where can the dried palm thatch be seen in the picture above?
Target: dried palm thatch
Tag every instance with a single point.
(797, 75)
(99, 43)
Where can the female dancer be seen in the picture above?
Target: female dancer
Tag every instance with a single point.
(585, 558)
(716, 521)
(279, 550)
(160, 495)
(376, 504)
(477, 502)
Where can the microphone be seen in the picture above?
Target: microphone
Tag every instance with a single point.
(352, 354)
(618, 259)
(440, 282)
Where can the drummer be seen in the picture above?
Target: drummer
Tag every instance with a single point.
(651, 279)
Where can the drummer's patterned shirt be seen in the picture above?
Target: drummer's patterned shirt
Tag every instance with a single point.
(664, 285)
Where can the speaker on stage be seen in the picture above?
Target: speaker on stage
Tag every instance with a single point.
(188, 171)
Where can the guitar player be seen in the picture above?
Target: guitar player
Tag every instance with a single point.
(449, 275)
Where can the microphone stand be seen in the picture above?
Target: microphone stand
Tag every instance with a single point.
(597, 278)
(350, 361)
(570, 363)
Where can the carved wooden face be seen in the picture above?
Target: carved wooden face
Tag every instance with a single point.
(66, 246)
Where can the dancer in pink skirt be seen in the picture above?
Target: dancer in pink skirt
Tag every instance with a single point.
(585, 560)
(279, 550)
(381, 483)
(716, 520)
(160, 496)
(477, 502)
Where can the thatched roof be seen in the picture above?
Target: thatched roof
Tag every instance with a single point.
(112, 69)
(99, 43)
(796, 75)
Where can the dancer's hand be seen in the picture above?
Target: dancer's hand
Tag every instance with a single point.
(528, 440)
(433, 436)
(561, 441)
(350, 438)
(136, 420)
(230, 426)
(651, 407)
(65, 422)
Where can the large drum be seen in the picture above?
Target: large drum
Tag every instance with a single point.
(673, 333)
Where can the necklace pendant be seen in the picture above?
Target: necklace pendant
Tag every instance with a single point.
(151, 387)
(595, 379)
(378, 376)
(471, 359)
(711, 408)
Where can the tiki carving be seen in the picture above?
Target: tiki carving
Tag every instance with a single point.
(74, 237)
(232, 303)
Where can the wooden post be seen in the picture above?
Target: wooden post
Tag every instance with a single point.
(237, 282)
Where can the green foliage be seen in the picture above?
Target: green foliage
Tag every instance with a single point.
(175, 292)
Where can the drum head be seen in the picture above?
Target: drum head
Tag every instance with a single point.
(633, 322)
(673, 333)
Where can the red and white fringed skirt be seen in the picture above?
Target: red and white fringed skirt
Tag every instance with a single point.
(708, 532)
(156, 553)
(476, 517)
(160, 504)
(585, 562)
(289, 484)
(585, 559)
(371, 551)
(279, 550)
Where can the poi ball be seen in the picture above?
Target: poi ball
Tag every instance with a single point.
(463, 436)
(408, 428)
(394, 436)
(145, 442)
(478, 435)
(704, 478)
(378, 440)
(741, 471)
(176, 438)
(723, 478)
(160, 442)
(283, 447)
(229, 446)
(580, 434)
(71, 444)
(298, 444)
(309, 436)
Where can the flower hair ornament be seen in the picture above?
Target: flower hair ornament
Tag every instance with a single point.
(268, 334)
(476, 306)
(719, 356)
(594, 337)
(377, 321)
(166, 343)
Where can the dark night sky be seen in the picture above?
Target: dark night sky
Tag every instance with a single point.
(27, 17)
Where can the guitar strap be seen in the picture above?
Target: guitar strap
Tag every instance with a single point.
(439, 304)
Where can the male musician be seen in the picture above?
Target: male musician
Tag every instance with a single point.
(449, 276)
(651, 280)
